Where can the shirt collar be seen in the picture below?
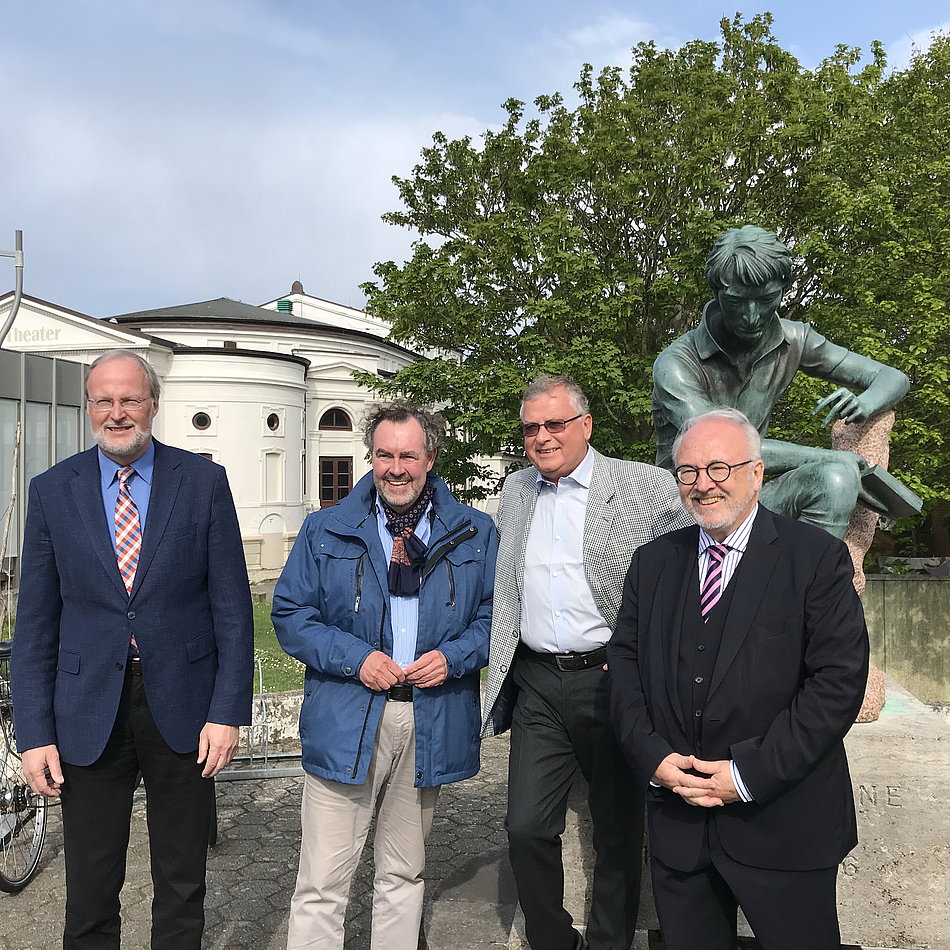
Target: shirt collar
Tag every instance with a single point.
(580, 476)
(143, 466)
(738, 540)
(707, 345)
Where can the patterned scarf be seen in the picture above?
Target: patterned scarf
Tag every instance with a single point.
(405, 566)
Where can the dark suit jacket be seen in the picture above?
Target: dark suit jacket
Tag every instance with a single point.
(787, 684)
(189, 608)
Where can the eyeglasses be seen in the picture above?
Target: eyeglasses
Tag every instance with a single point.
(717, 472)
(105, 405)
(529, 429)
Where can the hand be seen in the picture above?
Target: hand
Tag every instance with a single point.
(671, 774)
(717, 789)
(430, 669)
(43, 771)
(216, 747)
(844, 404)
(379, 672)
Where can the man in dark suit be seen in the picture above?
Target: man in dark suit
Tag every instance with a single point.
(738, 665)
(133, 655)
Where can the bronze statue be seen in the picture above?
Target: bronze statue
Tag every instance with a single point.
(743, 355)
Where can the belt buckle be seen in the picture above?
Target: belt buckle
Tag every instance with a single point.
(567, 662)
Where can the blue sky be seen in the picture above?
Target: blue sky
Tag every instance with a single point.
(157, 152)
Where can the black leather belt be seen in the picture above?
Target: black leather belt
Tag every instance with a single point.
(572, 662)
(399, 694)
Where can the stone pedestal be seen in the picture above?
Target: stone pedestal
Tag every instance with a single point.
(870, 441)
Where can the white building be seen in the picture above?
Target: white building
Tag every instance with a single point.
(266, 391)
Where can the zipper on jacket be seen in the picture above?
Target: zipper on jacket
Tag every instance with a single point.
(359, 747)
(358, 584)
(449, 543)
(448, 569)
(369, 705)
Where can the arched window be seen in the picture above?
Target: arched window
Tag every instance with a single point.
(336, 419)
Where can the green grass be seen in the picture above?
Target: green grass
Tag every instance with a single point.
(281, 672)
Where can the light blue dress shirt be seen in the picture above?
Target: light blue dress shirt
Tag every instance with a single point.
(403, 611)
(140, 486)
(558, 612)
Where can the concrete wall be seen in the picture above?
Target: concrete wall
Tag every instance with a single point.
(908, 620)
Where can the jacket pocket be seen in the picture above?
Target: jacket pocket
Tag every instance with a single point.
(68, 662)
(200, 646)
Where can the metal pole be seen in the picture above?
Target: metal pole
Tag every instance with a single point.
(17, 256)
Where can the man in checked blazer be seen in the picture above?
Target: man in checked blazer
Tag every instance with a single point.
(568, 527)
(143, 668)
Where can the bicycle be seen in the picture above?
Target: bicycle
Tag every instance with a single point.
(23, 813)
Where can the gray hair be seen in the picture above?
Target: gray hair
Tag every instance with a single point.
(751, 255)
(725, 415)
(544, 384)
(154, 383)
(433, 425)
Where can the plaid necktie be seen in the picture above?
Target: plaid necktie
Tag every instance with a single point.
(712, 587)
(128, 533)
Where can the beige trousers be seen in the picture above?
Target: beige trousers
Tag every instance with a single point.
(335, 819)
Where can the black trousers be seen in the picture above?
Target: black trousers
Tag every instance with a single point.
(561, 724)
(787, 910)
(97, 806)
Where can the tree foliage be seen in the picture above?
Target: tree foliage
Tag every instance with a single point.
(573, 238)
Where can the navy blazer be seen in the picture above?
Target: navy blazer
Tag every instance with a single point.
(787, 683)
(189, 608)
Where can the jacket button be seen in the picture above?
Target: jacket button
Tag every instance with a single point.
(347, 670)
(131, 615)
(504, 669)
(118, 666)
(418, 774)
(307, 693)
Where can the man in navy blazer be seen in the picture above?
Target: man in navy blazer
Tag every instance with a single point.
(738, 664)
(146, 671)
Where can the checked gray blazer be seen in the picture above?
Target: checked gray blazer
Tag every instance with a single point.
(629, 503)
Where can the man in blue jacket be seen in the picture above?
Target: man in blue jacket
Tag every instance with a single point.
(387, 600)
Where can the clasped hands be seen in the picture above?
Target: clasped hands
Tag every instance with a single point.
(380, 671)
(711, 788)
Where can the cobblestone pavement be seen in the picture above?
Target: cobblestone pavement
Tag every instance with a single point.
(470, 898)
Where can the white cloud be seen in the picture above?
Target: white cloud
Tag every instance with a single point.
(900, 52)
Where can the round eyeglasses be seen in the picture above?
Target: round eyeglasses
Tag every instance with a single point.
(717, 472)
(129, 404)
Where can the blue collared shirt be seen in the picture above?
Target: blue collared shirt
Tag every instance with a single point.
(140, 485)
(558, 609)
(403, 611)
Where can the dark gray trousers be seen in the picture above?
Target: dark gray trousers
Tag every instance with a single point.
(561, 725)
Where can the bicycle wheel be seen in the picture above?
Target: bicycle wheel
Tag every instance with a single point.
(22, 811)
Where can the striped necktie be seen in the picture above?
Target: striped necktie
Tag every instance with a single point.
(128, 532)
(712, 587)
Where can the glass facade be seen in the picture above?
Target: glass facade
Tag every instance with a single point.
(45, 396)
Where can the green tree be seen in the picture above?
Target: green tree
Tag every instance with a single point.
(573, 238)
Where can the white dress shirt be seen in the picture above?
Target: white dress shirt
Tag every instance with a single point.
(558, 612)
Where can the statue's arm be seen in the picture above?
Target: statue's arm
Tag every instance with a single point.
(882, 388)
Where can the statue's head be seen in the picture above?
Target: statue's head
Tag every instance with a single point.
(749, 269)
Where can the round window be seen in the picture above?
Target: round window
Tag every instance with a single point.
(201, 420)
(273, 422)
